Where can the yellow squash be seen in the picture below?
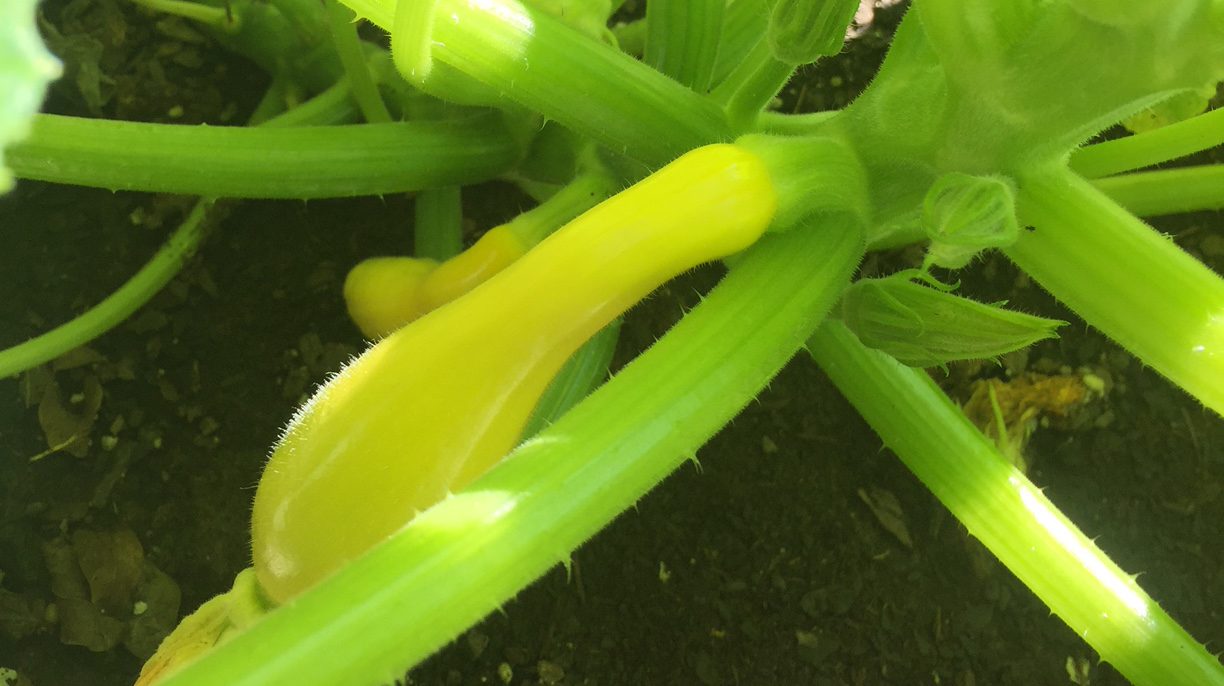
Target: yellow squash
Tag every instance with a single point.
(434, 405)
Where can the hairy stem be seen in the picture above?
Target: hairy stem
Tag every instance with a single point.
(264, 162)
(1151, 147)
(1006, 512)
(592, 88)
(682, 39)
(1169, 191)
(1127, 280)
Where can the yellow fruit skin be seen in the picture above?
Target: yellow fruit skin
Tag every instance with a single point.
(384, 293)
(492, 253)
(436, 404)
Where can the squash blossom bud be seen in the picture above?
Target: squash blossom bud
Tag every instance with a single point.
(437, 403)
(803, 31)
(964, 214)
(925, 327)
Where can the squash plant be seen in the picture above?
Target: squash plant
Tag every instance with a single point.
(969, 138)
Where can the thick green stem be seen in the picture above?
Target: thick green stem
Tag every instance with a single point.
(1125, 279)
(682, 39)
(467, 555)
(411, 32)
(555, 70)
(1151, 147)
(753, 85)
(744, 25)
(1169, 191)
(352, 57)
(264, 162)
(1006, 512)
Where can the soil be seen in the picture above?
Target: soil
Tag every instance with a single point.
(766, 567)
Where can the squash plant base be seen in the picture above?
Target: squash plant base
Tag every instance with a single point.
(765, 567)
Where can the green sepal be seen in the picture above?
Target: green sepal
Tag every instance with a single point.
(927, 327)
(964, 214)
(803, 31)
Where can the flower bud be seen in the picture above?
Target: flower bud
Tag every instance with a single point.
(964, 214)
(803, 31)
(926, 327)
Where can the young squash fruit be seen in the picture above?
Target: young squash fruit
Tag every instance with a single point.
(384, 293)
(431, 407)
(436, 404)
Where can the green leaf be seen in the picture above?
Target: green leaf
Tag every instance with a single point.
(25, 69)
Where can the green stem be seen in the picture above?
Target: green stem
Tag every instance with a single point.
(1151, 147)
(1006, 512)
(287, 38)
(467, 555)
(752, 86)
(438, 228)
(1170, 191)
(574, 198)
(118, 305)
(356, 71)
(274, 102)
(557, 71)
(273, 162)
(630, 37)
(214, 17)
(412, 37)
(744, 25)
(332, 106)
(1127, 280)
(164, 265)
(682, 39)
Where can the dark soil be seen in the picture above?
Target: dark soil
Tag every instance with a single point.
(766, 567)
